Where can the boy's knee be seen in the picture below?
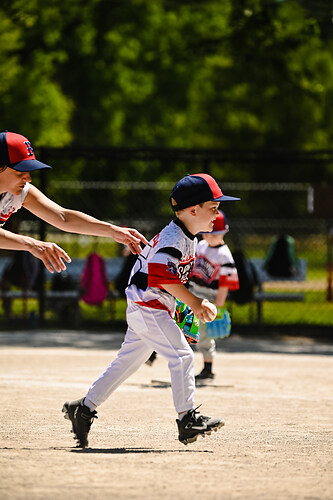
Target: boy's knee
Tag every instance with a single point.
(183, 359)
(191, 354)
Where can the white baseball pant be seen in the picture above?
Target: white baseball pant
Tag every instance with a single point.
(149, 330)
(206, 345)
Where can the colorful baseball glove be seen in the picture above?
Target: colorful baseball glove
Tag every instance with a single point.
(187, 322)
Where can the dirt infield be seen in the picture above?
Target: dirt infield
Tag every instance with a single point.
(275, 396)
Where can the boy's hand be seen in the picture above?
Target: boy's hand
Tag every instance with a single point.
(204, 310)
(210, 310)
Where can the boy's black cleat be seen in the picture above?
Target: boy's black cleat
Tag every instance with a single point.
(205, 375)
(193, 424)
(81, 417)
(151, 358)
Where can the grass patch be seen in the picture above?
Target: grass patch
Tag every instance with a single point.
(310, 312)
(313, 311)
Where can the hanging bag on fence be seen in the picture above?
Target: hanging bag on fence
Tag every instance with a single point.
(247, 277)
(221, 326)
(281, 260)
(94, 282)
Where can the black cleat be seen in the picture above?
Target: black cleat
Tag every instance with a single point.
(205, 375)
(193, 424)
(151, 358)
(81, 418)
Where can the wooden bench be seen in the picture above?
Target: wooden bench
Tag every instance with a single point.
(54, 300)
(260, 296)
(59, 299)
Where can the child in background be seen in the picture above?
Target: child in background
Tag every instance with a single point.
(158, 277)
(214, 274)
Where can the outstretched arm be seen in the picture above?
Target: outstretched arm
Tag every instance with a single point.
(74, 221)
(51, 254)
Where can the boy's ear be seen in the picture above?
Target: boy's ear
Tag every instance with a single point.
(193, 210)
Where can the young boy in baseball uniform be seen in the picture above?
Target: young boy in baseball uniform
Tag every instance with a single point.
(214, 274)
(158, 277)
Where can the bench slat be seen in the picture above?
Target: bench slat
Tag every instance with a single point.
(278, 297)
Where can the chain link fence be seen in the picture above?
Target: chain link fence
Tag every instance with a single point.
(129, 195)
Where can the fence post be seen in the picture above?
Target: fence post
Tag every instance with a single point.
(42, 236)
(329, 294)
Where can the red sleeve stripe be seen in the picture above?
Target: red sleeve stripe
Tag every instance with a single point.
(229, 281)
(158, 274)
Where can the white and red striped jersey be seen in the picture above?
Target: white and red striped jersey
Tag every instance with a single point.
(10, 203)
(168, 258)
(214, 267)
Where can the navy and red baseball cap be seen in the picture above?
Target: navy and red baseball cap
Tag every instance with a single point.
(17, 153)
(197, 188)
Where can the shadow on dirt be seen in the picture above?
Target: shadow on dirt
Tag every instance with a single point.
(124, 451)
(279, 344)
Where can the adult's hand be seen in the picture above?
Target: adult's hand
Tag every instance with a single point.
(51, 255)
(130, 237)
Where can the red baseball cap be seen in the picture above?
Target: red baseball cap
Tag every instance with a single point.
(197, 188)
(220, 224)
(17, 153)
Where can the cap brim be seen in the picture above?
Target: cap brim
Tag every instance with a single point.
(29, 166)
(226, 198)
(214, 232)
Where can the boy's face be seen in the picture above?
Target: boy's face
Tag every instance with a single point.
(12, 181)
(206, 214)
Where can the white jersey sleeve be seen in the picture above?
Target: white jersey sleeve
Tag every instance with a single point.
(10, 203)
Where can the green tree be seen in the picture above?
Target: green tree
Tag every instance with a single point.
(32, 100)
(222, 74)
(271, 87)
